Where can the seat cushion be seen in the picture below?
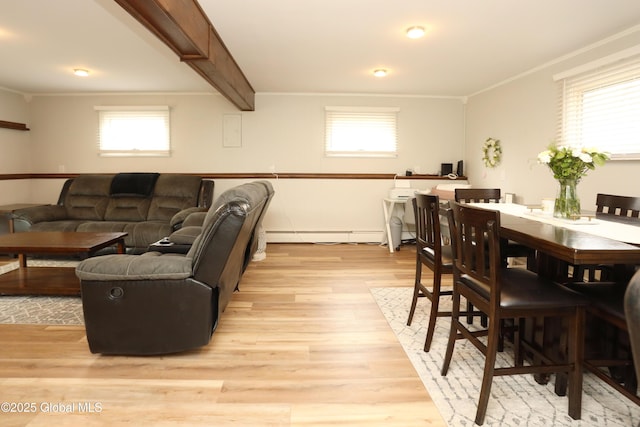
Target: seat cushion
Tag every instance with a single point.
(606, 299)
(446, 255)
(64, 225)
(149, 266)
(523, 289)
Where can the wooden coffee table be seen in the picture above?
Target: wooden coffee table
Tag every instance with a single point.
(50, 280)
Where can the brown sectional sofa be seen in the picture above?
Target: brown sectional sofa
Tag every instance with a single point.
(148, 206)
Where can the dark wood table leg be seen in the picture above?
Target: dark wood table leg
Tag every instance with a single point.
(120, 248)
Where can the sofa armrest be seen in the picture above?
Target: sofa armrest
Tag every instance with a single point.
(195, 219)
(185, 235)
(36, 214)
(148, 266)
(178, 219)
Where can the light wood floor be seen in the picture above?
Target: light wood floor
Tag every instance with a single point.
(302, 344)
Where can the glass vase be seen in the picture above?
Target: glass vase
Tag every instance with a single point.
(567, 205)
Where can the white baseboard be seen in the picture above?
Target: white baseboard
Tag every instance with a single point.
(330, 236)
(324, 236)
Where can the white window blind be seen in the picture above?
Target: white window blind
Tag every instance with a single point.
(601, 108)
(133, 131)
(361, 131)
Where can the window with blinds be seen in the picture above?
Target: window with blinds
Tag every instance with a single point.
(600, 108)
(361, 132)
(134, 131)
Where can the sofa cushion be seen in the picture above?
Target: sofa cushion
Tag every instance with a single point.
(63, 225)
(88, 197)
(103, 226)
(172, 193)
(127, 208)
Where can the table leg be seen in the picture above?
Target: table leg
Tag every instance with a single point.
(386, 209)
(22, 260)
(120, 246)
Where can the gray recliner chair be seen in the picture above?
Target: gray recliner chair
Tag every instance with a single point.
(159, 303)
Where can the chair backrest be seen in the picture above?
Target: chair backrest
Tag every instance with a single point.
(618, 205)
(476, 247)
(477, 195)
(219, 251)
(426, 209)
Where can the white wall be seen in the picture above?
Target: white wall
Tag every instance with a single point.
(284, 134)
(15, 148)
(522, 114)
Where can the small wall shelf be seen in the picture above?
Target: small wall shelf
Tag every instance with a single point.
(13, 125)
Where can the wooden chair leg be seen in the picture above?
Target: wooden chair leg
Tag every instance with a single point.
(469, 310)
(453, 332)
(487, 376)
(416, 292)
(518, 354)
(433, 314)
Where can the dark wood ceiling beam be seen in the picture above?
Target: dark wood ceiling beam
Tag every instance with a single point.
(185, 28)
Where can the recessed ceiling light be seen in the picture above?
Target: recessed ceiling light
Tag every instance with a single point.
(380, 72)
(415, 32)
(81, 72)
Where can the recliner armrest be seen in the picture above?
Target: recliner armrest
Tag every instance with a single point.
(195, 219)
(148, 266)
(185, 235)
(177, 221)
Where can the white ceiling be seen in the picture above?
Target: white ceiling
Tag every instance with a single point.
(305, 46)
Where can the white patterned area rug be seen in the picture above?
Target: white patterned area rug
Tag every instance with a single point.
(515, 400)
(40, 310)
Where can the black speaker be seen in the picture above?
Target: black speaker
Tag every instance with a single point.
(460, 168)
(446, 168)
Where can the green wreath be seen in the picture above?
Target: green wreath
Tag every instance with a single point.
(491, 153)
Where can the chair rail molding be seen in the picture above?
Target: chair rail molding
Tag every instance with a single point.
(13, 125)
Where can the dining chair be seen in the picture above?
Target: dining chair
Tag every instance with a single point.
(510, 249)
(432, 253)
(509, 293)
(477, 195)
(608, 353)
(615, 205)
(608, 350)
(493, 195)
(618, 205)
